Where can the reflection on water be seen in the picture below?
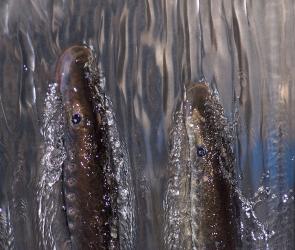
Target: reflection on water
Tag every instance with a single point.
(149, 50)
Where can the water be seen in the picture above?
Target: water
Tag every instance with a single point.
(149, 51)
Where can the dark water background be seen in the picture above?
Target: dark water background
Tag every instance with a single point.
(149, 50)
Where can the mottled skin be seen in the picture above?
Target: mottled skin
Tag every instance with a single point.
(88, 209)
(218, 214)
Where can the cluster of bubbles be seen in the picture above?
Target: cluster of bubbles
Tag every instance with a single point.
(51, 166)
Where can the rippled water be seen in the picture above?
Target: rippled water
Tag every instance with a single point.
(149, 51)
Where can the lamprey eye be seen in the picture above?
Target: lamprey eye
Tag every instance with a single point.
(201, 151)
(76, 119)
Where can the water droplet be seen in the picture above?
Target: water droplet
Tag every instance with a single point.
(114, 234)
(248, 212)
(117, 144)
(110, 122)
(285, 198)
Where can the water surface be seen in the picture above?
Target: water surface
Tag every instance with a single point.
(149, 50)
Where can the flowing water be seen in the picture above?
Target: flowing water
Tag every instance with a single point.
(149, 51)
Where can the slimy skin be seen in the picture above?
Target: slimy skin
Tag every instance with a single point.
(86, 191)
(216, 212)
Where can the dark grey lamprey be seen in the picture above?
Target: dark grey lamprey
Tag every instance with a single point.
(87, 191)
(201, 207)
(85, 168)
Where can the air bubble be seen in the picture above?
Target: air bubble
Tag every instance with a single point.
(285, 198)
